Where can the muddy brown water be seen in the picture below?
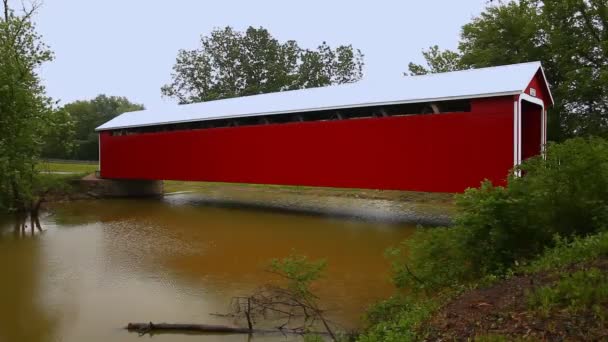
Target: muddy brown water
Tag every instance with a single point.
(101, 264)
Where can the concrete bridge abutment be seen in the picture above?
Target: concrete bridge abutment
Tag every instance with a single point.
(103, 187)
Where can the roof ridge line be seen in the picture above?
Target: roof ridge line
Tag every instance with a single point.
(475, 69)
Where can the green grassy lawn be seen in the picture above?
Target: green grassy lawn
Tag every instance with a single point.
(67, 167)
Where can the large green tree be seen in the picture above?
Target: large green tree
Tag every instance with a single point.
(27, 116)
(230, 63)
(89, 114)
(570, 38)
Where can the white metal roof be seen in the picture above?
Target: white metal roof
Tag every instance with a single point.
(485, 82)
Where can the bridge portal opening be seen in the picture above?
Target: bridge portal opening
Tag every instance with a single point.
(532, 129)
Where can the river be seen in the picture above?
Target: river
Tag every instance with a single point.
(101, 264)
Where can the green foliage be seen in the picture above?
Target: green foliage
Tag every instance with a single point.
(295, 299)
(498, 228)
(558, 208)
(85, 117)
(570, 38)
(567, 252)
(564, 194)
(504, 34)
(416, 262)
(438, 61)
(299, 272)
(52, 183)
(580, 291)
(398, 319)
(230, 63)
(59, 140)
(27, 116)
(568, 190)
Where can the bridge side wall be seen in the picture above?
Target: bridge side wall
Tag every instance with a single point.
(445, 152)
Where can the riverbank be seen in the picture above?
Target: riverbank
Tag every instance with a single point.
(430, 209)
(552, 305)
(522, 262)
(560, 296)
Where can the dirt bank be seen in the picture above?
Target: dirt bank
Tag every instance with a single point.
(503, 310)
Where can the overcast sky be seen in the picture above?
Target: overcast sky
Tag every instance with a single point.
(128, 47)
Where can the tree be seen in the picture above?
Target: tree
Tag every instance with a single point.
(230, 63)
(570, 38)
(89, 114)
(27, 115)
(438, 61)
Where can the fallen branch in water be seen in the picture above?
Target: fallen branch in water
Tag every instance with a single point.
(145, 328)
(294, 306)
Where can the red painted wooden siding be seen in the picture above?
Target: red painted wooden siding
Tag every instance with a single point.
(446, 152)
(542, 91)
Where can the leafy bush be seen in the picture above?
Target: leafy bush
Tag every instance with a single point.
(568, 190)
(564, 194)
(431, 258)
(299, 273)
(580, 291)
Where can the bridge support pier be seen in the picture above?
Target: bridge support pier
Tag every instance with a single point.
(102, 187)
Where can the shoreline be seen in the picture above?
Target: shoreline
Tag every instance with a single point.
(391, 206)
(370, 205)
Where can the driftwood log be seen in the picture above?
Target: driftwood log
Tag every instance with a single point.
(145, 328)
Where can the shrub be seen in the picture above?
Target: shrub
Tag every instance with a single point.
(564, 194)
(496, 229)
(431, 258)
(567, 190)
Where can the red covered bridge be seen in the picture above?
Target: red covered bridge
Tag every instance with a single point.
(441, 133)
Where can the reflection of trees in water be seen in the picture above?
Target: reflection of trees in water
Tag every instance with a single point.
(22, 221)
(22, 316)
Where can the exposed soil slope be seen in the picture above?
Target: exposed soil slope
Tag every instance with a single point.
(503, 310)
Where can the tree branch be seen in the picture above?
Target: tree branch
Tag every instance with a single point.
(588, 23)
(6, 12)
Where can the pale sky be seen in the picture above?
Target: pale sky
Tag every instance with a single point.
(128, 47)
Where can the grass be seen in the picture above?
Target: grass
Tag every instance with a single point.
(432, 202)
(570, 252)
(581, 290)
(399, 319)
(67, 167)
(172, 186)
(576, 292)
